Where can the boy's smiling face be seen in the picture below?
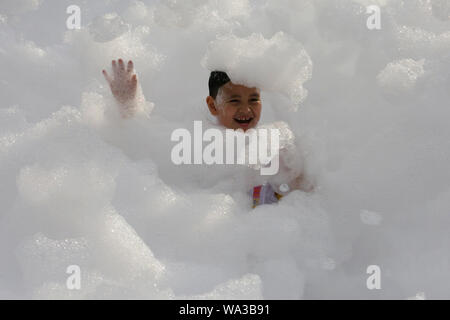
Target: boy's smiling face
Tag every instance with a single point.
(236, 106)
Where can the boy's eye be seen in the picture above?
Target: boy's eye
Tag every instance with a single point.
(234, 101)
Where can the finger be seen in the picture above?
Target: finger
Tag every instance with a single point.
(114, 68)
(134, 82)
(130, 66)
(107, 77)
(121, 65)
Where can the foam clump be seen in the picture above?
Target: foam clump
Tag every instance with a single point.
(246, 288)
(371, 218)
(107, 27)
(441, 9)
(12, 7)
(401, 76)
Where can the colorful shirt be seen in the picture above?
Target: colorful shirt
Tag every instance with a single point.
(265, 194)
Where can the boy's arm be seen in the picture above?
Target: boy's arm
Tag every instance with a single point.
(301, 183)
(296, 178)
(124, 86)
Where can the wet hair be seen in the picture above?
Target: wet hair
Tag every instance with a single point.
(216, 80)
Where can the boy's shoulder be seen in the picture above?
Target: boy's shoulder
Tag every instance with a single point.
(287, 136)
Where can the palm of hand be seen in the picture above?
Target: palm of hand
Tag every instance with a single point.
(123, 82)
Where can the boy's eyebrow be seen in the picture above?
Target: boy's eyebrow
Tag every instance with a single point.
(239, 96)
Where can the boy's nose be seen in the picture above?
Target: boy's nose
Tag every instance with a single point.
(245, 108)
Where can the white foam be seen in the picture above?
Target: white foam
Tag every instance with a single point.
(80, 186)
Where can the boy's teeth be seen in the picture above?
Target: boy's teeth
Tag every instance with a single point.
(243, 120)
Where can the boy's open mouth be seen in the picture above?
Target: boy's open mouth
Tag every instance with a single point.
(243, 120)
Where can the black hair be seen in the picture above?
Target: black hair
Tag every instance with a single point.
(216, 80)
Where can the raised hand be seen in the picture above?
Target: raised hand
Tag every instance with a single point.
(123, 84)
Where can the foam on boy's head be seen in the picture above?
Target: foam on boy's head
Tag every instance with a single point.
(216, 80)
(279, 64)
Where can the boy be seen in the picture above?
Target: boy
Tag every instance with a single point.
(235, 107)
